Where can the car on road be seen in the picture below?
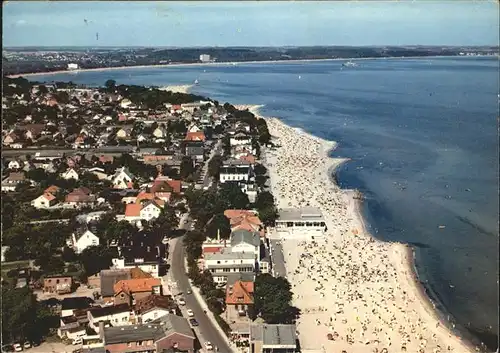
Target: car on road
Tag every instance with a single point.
(190, 313)
(181, 301)
(18, 347)
(193, 322)
(27, 345)
(208, 346)
(189, 291)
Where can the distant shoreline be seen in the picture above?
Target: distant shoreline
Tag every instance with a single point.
(236, 63)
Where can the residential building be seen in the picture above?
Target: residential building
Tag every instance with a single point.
(70, 173)
(108, 279)
(222, 263)
(58, 284)
(169, 332)
(245, 219)
(128, 291)
(10, 183)
(122, 179)
(14, 164)
(244, 241)
(266, 338)
(239, 299)
(80, 197)
(44, 201)
(153, 307)
(83, 238)
(235, 170)
(116, 315)
(72, 305)
(306, 222)
(239, 139)
(195, 136)
(195, 150)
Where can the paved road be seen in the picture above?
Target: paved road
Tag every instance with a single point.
(278, 258)
(206, 327)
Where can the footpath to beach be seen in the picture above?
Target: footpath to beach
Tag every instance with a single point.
(350, 285)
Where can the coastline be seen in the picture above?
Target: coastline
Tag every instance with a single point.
(401, 256)
(298, 61)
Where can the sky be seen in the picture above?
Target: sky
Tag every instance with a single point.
(227, 23)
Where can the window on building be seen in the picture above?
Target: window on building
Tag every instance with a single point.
(129, 344)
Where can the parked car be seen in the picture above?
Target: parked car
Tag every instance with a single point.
(78, 340)
(189, 291)
(190, 313)
(18, 347)
(208, 346)
(27, 345)
(181, 301)
(7, 348)
(193, 322)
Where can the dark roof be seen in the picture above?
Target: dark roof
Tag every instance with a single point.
(109, 278)
(109, 310)
(122, 334)
(174, 324)
(154, 301)
(76, 303)
(69, 319)
(232, 277)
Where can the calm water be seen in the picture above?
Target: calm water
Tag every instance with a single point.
(423, 139)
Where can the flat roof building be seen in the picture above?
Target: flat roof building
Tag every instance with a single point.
(266, 338)
(305, 222)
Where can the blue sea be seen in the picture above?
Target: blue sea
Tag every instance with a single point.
(422, 135)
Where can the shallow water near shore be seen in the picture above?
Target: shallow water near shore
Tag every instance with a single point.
(422, 137)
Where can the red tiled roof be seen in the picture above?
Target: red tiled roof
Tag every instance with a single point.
(49, 196)
(136, 285)
(212, 249)
(133, 210)
(195, 136)
(240, 293)
(52, 189)
(159, 185)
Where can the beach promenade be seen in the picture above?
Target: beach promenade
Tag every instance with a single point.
(349, 285)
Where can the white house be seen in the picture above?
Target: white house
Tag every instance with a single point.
(150, 211)
(14, 164)
(240, 139)
(44, 201)
(117, 315)
(194, 128)
(149, 266)
(235, 170)
(82, 239)
(125, 103)
(70, 174)
(224, 262)
(122, 179)
(160, 132)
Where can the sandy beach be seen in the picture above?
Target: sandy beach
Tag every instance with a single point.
(357, 289)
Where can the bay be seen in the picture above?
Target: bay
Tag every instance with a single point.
(422, 135)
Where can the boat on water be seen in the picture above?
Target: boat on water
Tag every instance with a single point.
(349, 64)
(196, 82)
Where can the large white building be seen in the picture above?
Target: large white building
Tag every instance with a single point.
(235, 170)
(72, 66)
(301, 223)
(205, 58)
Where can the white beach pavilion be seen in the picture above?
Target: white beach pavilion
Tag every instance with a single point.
(300, 223)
